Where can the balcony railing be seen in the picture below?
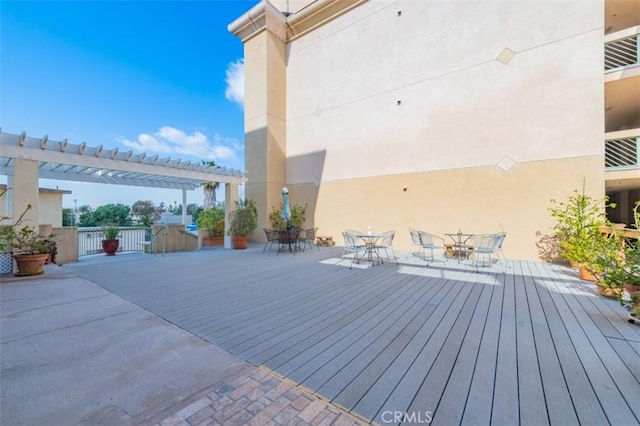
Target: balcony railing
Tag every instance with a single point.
(622, 53)
(622, 153)
(131, 239)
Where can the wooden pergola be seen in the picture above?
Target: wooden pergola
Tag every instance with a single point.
(25, 159)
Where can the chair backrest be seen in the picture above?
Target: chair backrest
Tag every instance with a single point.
(486, 242)
(271, 234)
(415, 236)
(310, 234)
(349, 239)
(387, 239)
(502, 236)
(352, 231)
(426, 239)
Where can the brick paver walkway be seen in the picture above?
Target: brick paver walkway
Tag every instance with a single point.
(258, 398)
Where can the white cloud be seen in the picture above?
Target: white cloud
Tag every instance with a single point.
(235, 82)
(172, 141)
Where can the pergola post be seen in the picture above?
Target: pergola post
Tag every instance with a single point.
(23, 190)
(184, 206)
(230, 198)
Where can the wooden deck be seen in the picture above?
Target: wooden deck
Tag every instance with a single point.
(534, 345)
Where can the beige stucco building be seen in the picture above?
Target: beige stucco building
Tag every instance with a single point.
(49, 205)
(439, 115)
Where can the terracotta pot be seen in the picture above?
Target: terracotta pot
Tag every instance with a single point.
(632, 288)
(212, 241)
(30, 264)
(239, 242)
(586, 275)
(611, 293)
(110, 247)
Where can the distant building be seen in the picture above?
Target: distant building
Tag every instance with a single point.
(441, 115)
(50, 205)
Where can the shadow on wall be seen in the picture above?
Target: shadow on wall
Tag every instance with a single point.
(304, 174)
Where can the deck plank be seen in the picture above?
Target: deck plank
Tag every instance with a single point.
(559, 407)
(532, 403)
(579, 325)
(450, 409)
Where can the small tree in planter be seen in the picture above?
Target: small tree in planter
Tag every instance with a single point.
(626, 273)
(242, 222)
(577, 230)
(298, 216)
(110, 243)
(212, 220)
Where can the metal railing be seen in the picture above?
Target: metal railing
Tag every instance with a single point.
(154, 240)
(622, 153)
(621, 53)
(131, 239)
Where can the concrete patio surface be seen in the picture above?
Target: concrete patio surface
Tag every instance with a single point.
(75, 353)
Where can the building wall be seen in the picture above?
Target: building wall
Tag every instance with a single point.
(50, 208)
(378, 100)
(483, 110)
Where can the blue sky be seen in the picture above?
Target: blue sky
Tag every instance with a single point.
(160, 77)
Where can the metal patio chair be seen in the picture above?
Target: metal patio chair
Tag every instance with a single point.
(386, 243)
(485, 246)
(308, 237)
(415, 242)
(430, 242)
(352, 245)
(273, 236)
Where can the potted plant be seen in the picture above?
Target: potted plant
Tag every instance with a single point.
(242, 222)
(212, 221)
(30, 249)
(629, 273)
(578, 232)
(298, 216)
(618, 266)
(110, 242)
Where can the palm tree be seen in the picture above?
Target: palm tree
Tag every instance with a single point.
(209, 189)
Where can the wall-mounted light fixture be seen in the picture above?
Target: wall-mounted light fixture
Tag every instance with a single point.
(399, 101)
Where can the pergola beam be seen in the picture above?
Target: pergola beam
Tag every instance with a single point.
(144, 168)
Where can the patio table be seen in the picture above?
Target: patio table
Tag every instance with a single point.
(371, 252)
(288, 240)
(459, 240)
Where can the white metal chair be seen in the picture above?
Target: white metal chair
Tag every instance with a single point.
(484, 247)
(415, 242)
(386, 243)
(430, 242)
(354, 245)
(499, 252)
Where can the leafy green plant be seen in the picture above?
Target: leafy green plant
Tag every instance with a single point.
(298, 216)
(212, 220)
(577, 229)
(244, 219)
(110, 230)
(25, 239)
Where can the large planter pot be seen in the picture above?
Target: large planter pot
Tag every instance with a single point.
(632, 289)
(30, 264)
(586, 275)
(212, 241)
(110, 247)
(239, 242)
(609, 292)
